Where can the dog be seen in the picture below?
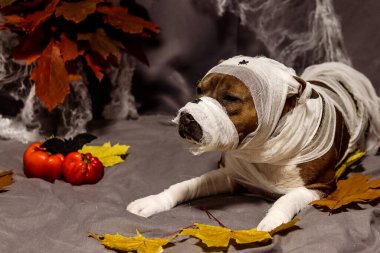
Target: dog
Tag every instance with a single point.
(281, 133)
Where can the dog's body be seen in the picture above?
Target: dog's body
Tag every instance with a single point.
(279, 133)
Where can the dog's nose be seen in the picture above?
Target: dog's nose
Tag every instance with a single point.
(186, 118)
(189, 128)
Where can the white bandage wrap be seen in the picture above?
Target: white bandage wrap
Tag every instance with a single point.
(303, 134)
(219, 133)
(362, 112)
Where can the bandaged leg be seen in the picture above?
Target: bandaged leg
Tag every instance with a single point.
(211, 183)
(284, 209)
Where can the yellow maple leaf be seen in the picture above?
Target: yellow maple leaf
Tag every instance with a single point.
(348, 162)
(356, 189)
(137, 243)
(107, 154)
(284, 226)
(216, 236)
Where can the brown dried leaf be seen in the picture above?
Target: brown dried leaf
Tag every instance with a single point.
(355, 189)
(77, 11)
(35, 19)
(5, 179)
(69, 48)
(374, 184)
(101, 43)
(4, 3)
(50, 77)
(31, 45)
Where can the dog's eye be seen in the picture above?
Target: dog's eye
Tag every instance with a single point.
(199, 90)
(230, 98)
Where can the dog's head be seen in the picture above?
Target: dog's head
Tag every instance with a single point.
(237, 100)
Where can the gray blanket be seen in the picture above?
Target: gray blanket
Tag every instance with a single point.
(37, 216)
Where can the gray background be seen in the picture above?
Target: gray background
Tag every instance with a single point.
(194, 38)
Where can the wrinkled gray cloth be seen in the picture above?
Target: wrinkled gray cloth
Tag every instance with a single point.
(37, 216)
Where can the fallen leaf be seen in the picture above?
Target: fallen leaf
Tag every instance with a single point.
(138, 243)
(5, 179)
(348, 162)
(119, 18)
(76, 11)
(356, 189)
(107, 154)
(101, 43)
(50, 77)
(284, 226)
(217, 236)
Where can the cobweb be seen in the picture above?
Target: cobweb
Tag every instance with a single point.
(297, 33)
(34, 122)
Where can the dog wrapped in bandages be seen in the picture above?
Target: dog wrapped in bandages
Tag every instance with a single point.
(280, 133)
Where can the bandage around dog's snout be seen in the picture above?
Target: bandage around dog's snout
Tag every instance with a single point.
(219, 133)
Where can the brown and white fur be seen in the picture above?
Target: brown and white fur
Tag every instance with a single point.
(298, 184)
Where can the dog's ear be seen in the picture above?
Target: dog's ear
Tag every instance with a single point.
(220, 61)
(296, 87)
(302, 83)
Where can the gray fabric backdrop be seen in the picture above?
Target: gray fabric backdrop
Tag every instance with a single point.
(194, 38)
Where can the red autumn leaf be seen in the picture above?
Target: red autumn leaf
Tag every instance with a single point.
(4, 3)
(101, 43)
(69, 48)
(12, 20)
(94, 63)
(77, 11)
(31, 45)
(31, 21)
(21, 6)
(119, 18)
(50, 77)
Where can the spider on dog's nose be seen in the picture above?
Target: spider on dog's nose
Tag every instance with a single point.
(189, 128)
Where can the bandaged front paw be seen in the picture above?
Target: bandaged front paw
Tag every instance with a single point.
(273, 220)
(150, 205)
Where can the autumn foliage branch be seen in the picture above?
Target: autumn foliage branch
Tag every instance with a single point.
(55, 34)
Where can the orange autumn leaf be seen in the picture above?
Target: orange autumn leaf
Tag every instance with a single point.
(119, 18)
(31, 45)
(76, 11)
(68, 47)
(31, 21)
(6, 179)
(356, 189)
(94, 66)
(4, 3)
(50, 77)
(101, 43)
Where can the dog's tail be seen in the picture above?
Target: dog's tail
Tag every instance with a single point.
(353, 94)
